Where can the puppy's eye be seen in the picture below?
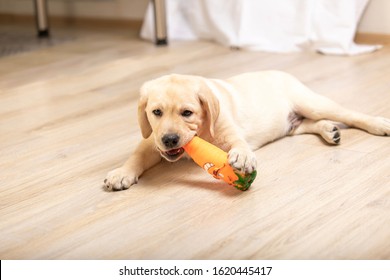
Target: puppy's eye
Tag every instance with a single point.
(186, 113)
(157, 112)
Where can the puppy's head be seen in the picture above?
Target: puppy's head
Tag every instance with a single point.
(174, 109)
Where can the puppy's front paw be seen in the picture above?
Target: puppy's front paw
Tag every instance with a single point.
(242, 160)
(120, 179)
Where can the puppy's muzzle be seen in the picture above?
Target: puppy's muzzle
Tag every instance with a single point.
(170, 141)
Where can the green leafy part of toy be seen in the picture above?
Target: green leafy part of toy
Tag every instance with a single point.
(244, 182)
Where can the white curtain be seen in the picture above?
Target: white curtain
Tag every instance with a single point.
(327, 26)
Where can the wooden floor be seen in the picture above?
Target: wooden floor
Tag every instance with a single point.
(68, 116)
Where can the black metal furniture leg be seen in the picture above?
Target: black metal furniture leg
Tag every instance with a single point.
(41, 18)
(160, 22)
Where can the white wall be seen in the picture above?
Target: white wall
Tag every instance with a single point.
(376, 18)
(119, 9)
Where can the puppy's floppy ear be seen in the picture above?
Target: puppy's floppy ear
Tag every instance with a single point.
(210, 105)
(143, 121)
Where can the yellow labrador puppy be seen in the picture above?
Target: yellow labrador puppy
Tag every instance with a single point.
(239, 115)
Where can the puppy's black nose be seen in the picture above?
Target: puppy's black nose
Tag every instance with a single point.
(170, 140)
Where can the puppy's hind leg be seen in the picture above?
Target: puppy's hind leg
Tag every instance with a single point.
(327, 129)
(316, 107)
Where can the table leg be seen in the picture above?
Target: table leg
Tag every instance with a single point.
(41, 18)
(160, 22)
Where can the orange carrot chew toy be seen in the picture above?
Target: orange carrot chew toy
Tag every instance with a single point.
(215, 162)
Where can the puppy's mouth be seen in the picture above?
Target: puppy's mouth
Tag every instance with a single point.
(172, 155)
